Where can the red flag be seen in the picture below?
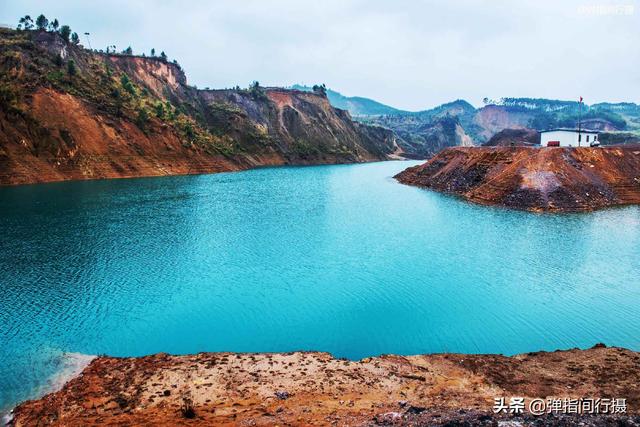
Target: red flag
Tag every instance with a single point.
(580, 99)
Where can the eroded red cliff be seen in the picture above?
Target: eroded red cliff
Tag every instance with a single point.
(69, 113)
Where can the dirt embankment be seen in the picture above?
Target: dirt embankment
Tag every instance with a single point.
(73, 141)
(317, 389)
(537, 179)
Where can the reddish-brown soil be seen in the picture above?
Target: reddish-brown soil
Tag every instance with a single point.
(317, 389)
(538, 179)
(126, 116)
(95, 146)
(90, 144)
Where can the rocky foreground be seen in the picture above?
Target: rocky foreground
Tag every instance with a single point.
(309, 388)
(537, 179)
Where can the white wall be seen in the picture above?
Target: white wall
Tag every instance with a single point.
(567, 138)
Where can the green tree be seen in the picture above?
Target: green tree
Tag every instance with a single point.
(71, 67)
(127, 85)
(117, 96)
(153, 52)
(53, 25)
(8, 97)
(320, 89)
(65, 32)
(256, 91)
(188, 130)
(159, 110)
(170, 111)
(163, 56)
(142, 118)
(128, 51)
(75, 39)
(42, 22)
(25, 22)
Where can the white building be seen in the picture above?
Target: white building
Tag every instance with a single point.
(569, 138)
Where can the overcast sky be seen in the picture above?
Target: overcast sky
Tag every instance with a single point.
(410, 54)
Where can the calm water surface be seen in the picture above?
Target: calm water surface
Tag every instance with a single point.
(334, 258)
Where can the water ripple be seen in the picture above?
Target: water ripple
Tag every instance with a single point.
(339, 258)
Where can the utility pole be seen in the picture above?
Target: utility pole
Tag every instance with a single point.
(88, 41)
(580, 122)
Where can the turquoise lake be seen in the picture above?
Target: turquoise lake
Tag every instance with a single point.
(334, 258)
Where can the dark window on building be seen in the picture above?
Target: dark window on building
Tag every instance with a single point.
(587, 138)
(579, 137)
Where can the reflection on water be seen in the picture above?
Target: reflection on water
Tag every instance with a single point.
(337, 258)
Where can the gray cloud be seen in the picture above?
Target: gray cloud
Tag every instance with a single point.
(409, 54)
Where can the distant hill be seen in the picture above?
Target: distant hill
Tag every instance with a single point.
(356, 105)
(421, 135)
(458, 123)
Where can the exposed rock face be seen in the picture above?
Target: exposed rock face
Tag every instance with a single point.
(302, 125)
(425, 140)
(538, 179)
(494, 118)
(356, 105)
(68, 113)
(423, 134)
(316, 389)
(514, 137)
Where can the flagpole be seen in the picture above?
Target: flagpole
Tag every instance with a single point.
(580, 122)
(88, 41)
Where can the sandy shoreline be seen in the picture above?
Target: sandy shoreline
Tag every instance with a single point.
(312, 388)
